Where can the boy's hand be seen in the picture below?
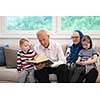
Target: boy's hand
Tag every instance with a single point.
(18, 69)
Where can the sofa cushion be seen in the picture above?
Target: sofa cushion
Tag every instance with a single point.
(64, 48)
(8, 75)
(10, 55)
(2, 55)
(53, 77)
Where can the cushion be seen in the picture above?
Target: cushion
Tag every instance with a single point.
(64, 48)
(8, 75)
(2, 55)
(98, 49)
(32, 46)
(10, 56)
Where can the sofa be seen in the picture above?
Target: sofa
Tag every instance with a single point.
(9, 74)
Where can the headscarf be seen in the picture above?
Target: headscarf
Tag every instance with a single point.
(75, 48)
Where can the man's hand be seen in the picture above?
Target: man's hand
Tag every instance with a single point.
(40, 66)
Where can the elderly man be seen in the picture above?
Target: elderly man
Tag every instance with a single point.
(53, 51)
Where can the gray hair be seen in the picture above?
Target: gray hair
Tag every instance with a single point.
(42, 30)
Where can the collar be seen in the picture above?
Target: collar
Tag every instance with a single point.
(48, 47)
(26, 52)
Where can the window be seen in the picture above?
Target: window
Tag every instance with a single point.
(28, 22)
(85, 23)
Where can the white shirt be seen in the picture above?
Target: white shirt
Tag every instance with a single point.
(54, 52)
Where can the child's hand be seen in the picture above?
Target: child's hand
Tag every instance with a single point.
(84, 62)
(19, 70)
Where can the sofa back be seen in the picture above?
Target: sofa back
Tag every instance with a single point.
(10, 55)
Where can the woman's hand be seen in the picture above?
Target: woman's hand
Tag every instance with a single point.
(78, 62)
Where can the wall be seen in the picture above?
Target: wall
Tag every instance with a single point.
(13, 42)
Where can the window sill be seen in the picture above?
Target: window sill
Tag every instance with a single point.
(52, 36)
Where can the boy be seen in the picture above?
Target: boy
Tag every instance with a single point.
(25, 69)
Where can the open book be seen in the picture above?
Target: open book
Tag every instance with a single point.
(41, 58)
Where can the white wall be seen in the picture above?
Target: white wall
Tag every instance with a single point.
(13, 42)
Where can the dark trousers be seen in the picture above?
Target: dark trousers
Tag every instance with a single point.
(61, 71)
(91, 76)
(78, 75)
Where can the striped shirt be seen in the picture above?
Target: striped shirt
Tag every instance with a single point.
(22, 57)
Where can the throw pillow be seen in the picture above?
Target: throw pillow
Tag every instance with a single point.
(10, 55)
(2, 55)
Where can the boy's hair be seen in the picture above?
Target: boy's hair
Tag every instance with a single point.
(87, 39)
(22, 40)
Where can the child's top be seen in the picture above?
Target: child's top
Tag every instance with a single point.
(85, 54)
(22, 57)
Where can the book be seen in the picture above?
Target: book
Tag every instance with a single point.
(41, 58)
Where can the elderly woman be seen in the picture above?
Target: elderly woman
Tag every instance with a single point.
(86, 62)
(72, 52)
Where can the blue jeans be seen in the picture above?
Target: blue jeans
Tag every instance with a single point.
(27, 76)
